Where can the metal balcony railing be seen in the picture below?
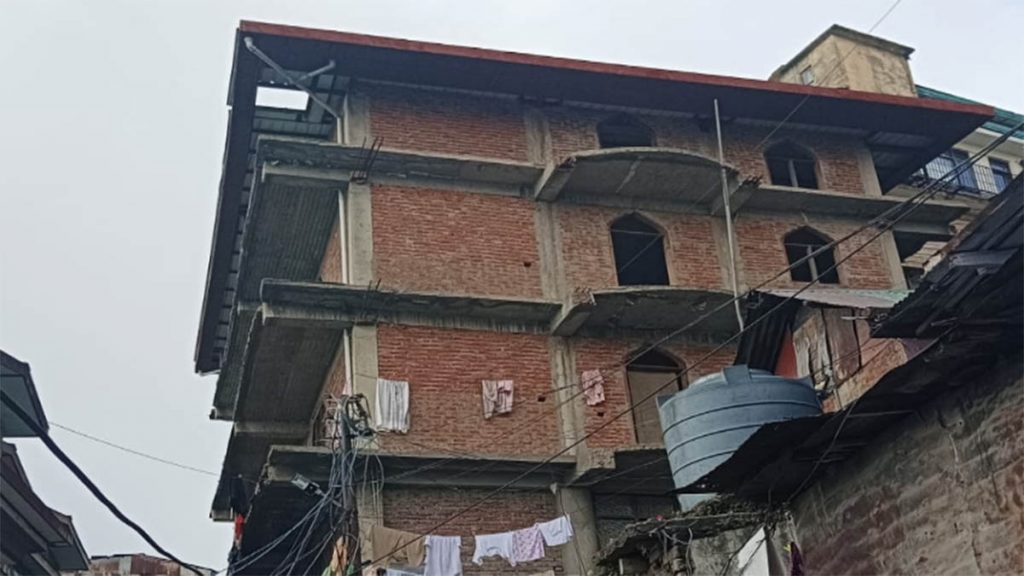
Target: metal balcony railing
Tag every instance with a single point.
(979, 181)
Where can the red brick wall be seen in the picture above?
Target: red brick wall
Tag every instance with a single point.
(420, 509)
(330, 266)
(448, 123)
(762, 255)
(690, 252)
(573, 130)
(593, 353)
(940, 492)
(445, 369)
(458, 242)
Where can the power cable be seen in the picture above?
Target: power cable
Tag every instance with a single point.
(133, 451)
(911, 206)
(84, 479)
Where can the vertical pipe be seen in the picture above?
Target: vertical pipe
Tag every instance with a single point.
(343, 237)
(728, 219)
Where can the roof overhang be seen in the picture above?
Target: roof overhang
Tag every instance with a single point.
(903, 132)
(16, 382)
(661, 174)
(641, 469)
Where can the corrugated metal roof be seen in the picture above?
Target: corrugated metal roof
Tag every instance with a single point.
(844, 297)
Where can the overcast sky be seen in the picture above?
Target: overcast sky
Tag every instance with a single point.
(112, 123)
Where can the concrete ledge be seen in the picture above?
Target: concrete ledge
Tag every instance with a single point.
(782, 198)
(301, 158)
(312, 303)
(641, 173)
(651, 308)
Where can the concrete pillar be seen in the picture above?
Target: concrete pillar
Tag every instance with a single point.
(359, 234)
(356, 113)
(565, 381)
(721, 237)
(892, 256)
(364, 367)
(549, 252)
(578, 555)
(538, 136)
(868, 175)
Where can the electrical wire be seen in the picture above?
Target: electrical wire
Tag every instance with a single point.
(133, 451)
(87, 482)
(910, 205)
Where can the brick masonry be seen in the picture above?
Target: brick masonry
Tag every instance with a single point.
(445, 369)
(941, 492)
(593, 353)
(762, 255)
(456, 242)
(690, 251)
(447, 123)
(420, 509)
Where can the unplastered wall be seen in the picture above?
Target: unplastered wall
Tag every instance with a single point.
(609, 355)
(762, 254)
(942, 492)
(418, 510)
(445, 369)
(691, 248)
(436, 240)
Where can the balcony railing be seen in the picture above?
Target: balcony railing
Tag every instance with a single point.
(979, 181)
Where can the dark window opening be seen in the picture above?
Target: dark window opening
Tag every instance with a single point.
(624, 131)
(653, 374)
(1001, 174)
(639, 250)
(791, 165)
(821, 267)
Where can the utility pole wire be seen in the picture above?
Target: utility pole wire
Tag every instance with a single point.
(84, 479)
(132, 451)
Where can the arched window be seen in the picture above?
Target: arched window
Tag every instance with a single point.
(791, 165)
(623, 131)
(652, 374)
(639, 250)
(802, 243)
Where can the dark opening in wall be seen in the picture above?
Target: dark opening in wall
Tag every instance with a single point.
(821, 267)
(653, 374)
(639, 250)
(624, 131)
(791, 165)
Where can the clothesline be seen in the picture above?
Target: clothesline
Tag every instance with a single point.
(441, 555)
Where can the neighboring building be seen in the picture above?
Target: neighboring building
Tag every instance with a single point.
(921, 472)
(844, 58)
(528, 219)
(34, 539)
(137, 565)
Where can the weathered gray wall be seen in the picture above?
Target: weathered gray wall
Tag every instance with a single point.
(940, 493)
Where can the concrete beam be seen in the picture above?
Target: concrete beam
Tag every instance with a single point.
(305, 316)
(551, 182)
(276, 430)
(572, 317)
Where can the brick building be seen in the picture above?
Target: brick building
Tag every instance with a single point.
(525, 218)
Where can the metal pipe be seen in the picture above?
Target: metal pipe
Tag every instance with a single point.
(251, 46)
(728, 220)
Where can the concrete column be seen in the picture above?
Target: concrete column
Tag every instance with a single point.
(892, 256)
(721, 239)
(538, 136)
(359, 234)
(868, 175)
(564, 380)
(578, 555)
(549, 252)
(356, 113)
(364, 366)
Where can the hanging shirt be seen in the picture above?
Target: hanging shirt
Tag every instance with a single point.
(392, 414)
(493, 545)
(593, 387)
(497, 397)
(527, 545)
(400, 546)
(443, 556)
(556, 532)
